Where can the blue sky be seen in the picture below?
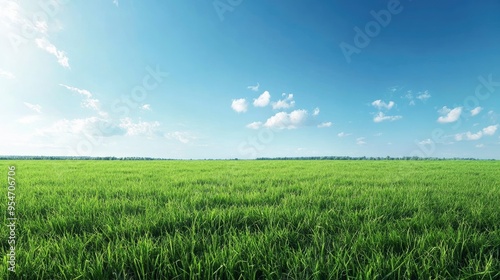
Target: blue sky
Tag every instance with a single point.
(246, 79)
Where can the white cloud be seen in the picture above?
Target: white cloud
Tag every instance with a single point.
(83, 92)
(475, 136)
(254, 88)
(263, 100)
(316, 111)
(139, 128)
(487, 131)
(13, 16)
(7, 75)
(361, 141)
(425, 142)
(476, 111)
(116, 3)
(380, 117)
(44, 44)
(181, 136)
(325, 124)
(469, 136)
(424, 95)
(254, 125)
(490, 130)
(239, 105)
(78, 127)
(146, 107)
(284, 120)
(379, 104)
(88, 101)
(449, 115)
(480, 146)
(10, 10)
(35, 107)
(343, 134)
(286, 103)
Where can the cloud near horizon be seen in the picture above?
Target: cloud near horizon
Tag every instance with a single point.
(487, 131)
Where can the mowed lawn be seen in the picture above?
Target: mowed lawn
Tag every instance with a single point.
(254, 220)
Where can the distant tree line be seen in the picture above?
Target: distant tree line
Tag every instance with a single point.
(365, 158)
(262, 158)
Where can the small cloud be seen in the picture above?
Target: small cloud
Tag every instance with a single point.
(116, 3)
(424, 95)
(316, 111)
(88, 101)
(146, 107)
(325, 124)
(490, 130)
(480, 146)
(469, 136)
(138, 128)
(360, 141)
(378, 134)
(475, 136)
(476, 111)
(286, 103)
(254, 125)
(262, 100)
(44, 44)
(449, 115)
(7, 75)
(34, 107)
(380, 117)
(239, 105)
(89, 126)
(379, 104)
(425, 142)
(254, 88)
(284, 120)
(181, 136)
(343, 134)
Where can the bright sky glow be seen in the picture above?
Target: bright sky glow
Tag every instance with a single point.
(246, 79)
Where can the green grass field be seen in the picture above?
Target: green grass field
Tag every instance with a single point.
(254, 220)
